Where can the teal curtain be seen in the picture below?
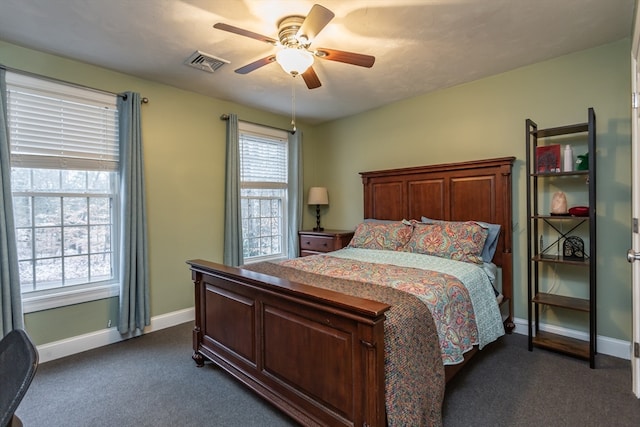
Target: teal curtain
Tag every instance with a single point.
(10, 298)
(134, 269)
(232, 214)
(295, 191)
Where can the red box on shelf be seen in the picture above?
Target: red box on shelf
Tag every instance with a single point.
(548, 158)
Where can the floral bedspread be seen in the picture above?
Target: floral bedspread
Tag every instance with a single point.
(414, 373)
(458, 294)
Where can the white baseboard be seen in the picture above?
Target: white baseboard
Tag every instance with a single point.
(57, 349)
(609, 346)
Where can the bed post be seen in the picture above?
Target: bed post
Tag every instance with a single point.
(373, 379)
(197, 332)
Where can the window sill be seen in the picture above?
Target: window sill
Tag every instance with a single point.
(63, 297)
(265, 258)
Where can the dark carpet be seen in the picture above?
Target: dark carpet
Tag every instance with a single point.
(152, 381)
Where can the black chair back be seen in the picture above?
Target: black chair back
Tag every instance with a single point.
(18, 363)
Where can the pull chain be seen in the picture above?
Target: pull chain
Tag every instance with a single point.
(293, 103)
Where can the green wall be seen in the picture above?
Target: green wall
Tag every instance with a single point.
(184, 165)
(486, 119)
(184, 157)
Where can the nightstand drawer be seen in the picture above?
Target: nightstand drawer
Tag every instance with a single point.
(316, 243)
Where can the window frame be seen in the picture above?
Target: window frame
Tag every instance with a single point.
(277, 136)
(69, 294)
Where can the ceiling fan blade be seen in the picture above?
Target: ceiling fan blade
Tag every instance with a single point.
(246, 33)
(256, 64)
(316, 20)
(346, 57)
(311, 78)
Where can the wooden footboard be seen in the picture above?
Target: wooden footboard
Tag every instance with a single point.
(331, 371)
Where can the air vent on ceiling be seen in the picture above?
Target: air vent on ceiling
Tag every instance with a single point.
(205, 62)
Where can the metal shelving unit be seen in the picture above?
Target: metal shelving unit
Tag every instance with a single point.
(539, 254)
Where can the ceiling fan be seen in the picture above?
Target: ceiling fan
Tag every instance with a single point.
(295, 35)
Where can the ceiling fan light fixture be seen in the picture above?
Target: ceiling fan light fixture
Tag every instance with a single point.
(296, 33)
(293, 60)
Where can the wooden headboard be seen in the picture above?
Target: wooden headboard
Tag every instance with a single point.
(478, 190)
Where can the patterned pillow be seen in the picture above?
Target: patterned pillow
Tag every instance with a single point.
(460, 241)
(490, 245)
(379, 235)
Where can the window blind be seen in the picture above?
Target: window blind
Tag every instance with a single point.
(263, 161)
(56, 126)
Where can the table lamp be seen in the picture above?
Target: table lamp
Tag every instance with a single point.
(318, 196)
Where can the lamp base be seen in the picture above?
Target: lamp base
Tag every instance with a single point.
(317, 227)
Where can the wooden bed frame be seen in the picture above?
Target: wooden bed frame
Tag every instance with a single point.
(247, 322)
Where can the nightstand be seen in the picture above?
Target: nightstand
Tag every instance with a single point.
(318, 242)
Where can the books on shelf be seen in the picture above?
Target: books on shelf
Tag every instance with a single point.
(548, 158)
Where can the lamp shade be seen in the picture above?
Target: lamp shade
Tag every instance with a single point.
(294, 61)
(318, 196)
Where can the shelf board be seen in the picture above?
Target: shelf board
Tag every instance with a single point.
(561, 217)
(562, 344)
(554, 174)
(559, 260)
(561, 130)
(554, 300)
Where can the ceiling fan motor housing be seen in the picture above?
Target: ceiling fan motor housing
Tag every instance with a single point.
(288, 30)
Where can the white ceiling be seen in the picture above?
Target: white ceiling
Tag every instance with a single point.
(419, 45)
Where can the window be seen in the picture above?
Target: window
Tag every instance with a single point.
(64, 179)
(263, 192)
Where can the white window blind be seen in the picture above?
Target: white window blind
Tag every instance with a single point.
(263, 160)
(57, 126)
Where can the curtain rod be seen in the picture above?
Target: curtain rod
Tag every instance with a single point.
(52, 79)
(225, 117)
